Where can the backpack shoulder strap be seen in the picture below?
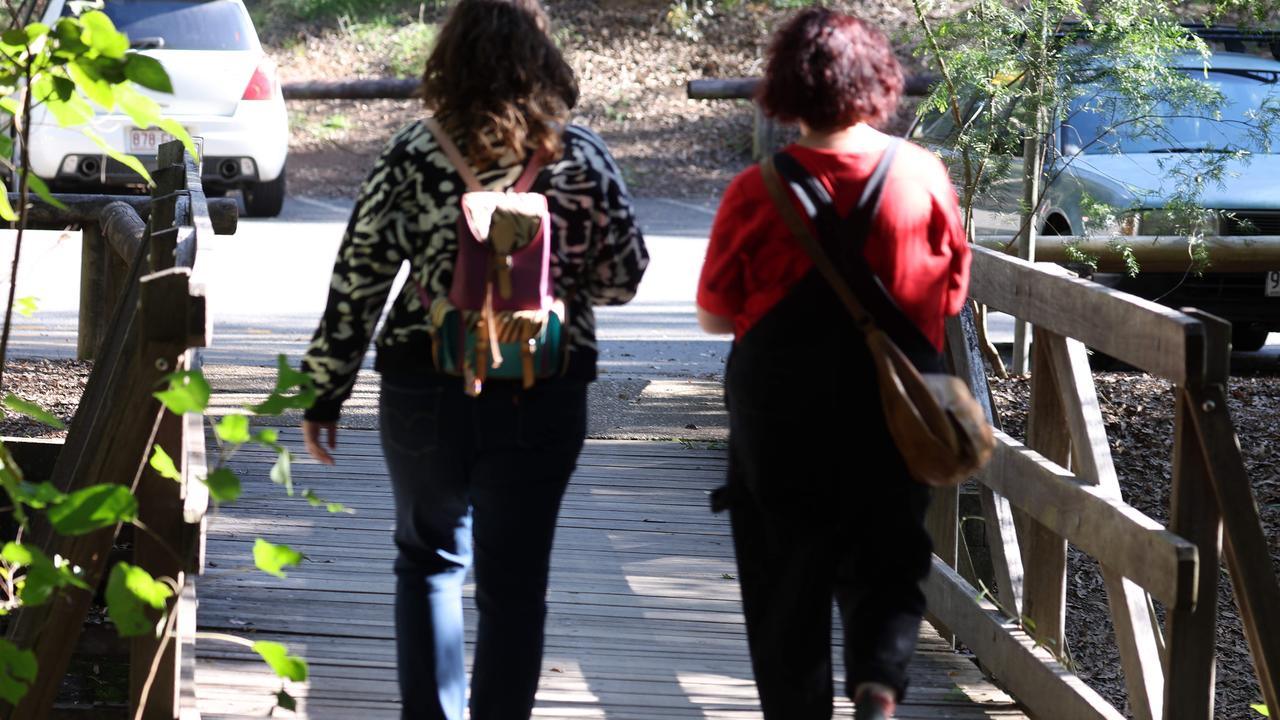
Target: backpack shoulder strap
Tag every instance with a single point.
(530, 173)
(451, 151)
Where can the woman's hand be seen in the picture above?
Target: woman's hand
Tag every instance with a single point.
(311, 431)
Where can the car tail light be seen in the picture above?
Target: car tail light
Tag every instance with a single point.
(262, 86)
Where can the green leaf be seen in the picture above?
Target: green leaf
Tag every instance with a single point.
(277, 404)
(63, 102)
(224, 485)
(6, 145)
(272, 559)
(17, 671)
(1261, 710)
(147, 72)
(188, 392)
(285, 701)
(15, 37)
(37, 495)
(43, 577)
(42, 190)
(332, 507)
(268, 438)
(233, 429)
(174, 128)
(128, 161)
(26, 306)
(287, 378)
(282, 471)
(92, 84)
(6, 210)
(12, 480)
(92, 508)
(68, 33)
(130, 591)
(36, 30)
(285, 665)
(164, 465)
(100, 34)
(33, 411)
(142, 110)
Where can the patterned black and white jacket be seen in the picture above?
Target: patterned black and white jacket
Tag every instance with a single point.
(407, 210)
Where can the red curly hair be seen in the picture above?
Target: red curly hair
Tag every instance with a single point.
(496, 80)
(830, 70)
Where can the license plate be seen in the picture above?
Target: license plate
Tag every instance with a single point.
(148, 142)
(1273, 283)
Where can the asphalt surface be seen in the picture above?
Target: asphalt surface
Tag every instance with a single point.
(267, 285)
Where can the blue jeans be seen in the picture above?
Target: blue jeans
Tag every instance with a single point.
(475, 480)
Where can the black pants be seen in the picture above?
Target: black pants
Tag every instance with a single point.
(476, 480)
(822, 508)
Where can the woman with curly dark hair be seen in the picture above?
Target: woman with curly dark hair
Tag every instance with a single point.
(478, 463)
(820, 500)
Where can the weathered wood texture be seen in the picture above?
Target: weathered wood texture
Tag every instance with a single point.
(365, 89)
(109, 441)
(1161, 341)
(644, 620)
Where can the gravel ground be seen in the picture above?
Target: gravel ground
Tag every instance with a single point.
(632, 68)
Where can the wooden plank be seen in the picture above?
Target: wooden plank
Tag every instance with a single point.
(1191, 629)
(94, 311)
(1136, 631)
(1161, 341)
(1248, 555)
(1044, 552)
(1095, 520)
(151, 681)
(636, 628)
(1018, 662)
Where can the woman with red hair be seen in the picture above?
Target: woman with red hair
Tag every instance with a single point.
(820, 500)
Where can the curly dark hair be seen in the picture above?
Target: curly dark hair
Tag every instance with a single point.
(496, 80)
(830, 70)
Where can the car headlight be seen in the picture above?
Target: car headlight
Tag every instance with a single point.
(1174, 222)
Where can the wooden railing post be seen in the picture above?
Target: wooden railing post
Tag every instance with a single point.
(160, 507)
(94, 312)
(1044, 554)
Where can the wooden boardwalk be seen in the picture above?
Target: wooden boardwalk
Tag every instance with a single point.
(644, 619)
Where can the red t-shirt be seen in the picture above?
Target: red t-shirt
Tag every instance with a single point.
(916, 246)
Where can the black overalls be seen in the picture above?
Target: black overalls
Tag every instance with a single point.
(820, 502)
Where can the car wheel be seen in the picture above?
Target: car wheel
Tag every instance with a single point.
(1248, 339)
(265, 199)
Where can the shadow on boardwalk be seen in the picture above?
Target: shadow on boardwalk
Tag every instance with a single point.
(644, 619)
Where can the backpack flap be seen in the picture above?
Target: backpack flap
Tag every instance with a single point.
(504, 239)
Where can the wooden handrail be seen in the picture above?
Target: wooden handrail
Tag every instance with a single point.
(1062, 486)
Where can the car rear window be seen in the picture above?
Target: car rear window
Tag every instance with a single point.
(190, 25)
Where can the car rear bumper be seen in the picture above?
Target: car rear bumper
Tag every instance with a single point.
(258, 131)
(1238, 297)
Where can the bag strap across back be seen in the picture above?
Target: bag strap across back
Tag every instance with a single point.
(468, 176)
(857, 223)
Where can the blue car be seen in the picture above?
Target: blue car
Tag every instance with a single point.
(1139, 174)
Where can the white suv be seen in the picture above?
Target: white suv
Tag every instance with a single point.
(225, 93)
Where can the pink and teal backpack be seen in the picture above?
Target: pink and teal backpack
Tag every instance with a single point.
(500, 319)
